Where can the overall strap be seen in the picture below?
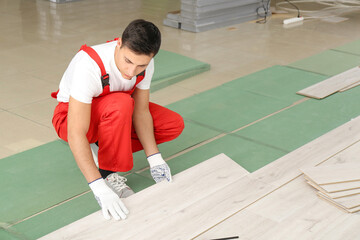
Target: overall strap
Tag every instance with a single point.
(95, 56)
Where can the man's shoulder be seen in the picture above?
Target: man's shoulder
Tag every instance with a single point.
(104, 47)
(82, 60)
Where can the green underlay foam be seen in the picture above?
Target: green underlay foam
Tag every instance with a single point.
(6, 235)
(278, 82)
(328, 63)
(226, 109)
(36, 179)
(171, 68)
(352, 48)
(303, 123)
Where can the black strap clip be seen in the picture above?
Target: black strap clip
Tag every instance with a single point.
(105, 80)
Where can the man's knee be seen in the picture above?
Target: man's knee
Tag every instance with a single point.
(119, 106)
(179, 124)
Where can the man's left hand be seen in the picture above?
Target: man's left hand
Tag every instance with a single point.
(159, 169)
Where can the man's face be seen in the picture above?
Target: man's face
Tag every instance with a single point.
(128, 62)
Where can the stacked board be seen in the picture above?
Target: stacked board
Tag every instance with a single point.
(203, 15)
(338, 83)
(339, 184)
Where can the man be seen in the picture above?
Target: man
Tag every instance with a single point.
(104, 100)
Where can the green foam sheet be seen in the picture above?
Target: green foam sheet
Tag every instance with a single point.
(37, 179)
(171, 68)
(57, 217)
(328, 63)
(303, 123)
(352, 48)
(70, 211)
(279, 82)
(226, 109)
(6, 235)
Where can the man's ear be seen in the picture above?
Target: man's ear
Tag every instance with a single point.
(119, 42)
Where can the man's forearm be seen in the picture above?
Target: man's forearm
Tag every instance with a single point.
(144, 127)
(80, 148)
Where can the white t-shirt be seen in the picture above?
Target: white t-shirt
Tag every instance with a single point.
(82, 78)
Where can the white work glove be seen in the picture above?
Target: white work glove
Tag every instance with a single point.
(158, 168)
(108, 200)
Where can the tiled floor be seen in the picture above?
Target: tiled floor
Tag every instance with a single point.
(39, 38)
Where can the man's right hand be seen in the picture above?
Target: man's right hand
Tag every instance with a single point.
(108, 200)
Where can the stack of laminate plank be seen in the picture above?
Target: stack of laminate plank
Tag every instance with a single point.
(339, 184)
(338, 83)
(203, 15)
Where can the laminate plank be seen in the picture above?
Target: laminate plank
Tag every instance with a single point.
(339, 205)
(347, 229)
(156, 204)
(310, 223)
(339, 187)
(348, 155)
(335, 194)
(332, 84)
(329, 174)
(347, 202)
(245, 224)
(285, 201)
(343, 193)
(350, 86)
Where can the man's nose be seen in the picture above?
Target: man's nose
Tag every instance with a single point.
(132, 70)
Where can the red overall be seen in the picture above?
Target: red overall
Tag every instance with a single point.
(111, 123)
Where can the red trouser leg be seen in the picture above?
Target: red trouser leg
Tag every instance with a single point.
(111, 126)
(168, 125)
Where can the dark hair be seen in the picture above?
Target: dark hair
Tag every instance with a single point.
(142, 37)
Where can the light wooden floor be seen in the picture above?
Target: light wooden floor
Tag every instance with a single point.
(218, 198)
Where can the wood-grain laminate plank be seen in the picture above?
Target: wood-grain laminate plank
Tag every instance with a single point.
(335, 195)
(338, 204)
(332, 84)
(350, 87)
(329, 174)
(347, 202)
(338, 187)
